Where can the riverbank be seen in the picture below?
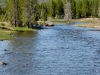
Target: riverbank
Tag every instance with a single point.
(6, 30)
(88, 22)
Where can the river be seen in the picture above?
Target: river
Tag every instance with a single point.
(59, 50)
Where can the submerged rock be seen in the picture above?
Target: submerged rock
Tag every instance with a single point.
(37, 26)
(5, 50)
(1, 40)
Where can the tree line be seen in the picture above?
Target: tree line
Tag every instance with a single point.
(22, 12)
(85, 8)
(79, 8)
(27, 12)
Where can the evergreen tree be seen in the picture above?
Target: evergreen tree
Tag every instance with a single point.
(95, 4)
(0, 10)
(13, 12)
(60, 9)
(84, 8)
(90, 8)
(99, 8)
(53, 8)
(22, 12)
(78, 9)
(73, 8)
(44, 12)
(44, 15)
(2, 14)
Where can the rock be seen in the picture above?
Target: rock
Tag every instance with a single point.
(1, 40)
(2, 63)
(37, 26)
(50, 24)
(5, 50)
(44, 24)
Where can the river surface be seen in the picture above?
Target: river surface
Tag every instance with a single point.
(59, 50)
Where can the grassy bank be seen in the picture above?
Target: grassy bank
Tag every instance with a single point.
(5, 35)
(88, 22)
(6, 30)
(21, 29)
(57, 21)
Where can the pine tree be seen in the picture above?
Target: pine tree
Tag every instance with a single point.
(78, 9)
(2, 14)
(98, 8)
(43, 11)
(44, 15)
(0, 10)
(13, 12)
(60, 9)
(73, 8)
(22, 12)
(84, 8)
(89, 8)
(53, 8)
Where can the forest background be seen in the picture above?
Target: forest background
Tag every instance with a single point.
(26, 12)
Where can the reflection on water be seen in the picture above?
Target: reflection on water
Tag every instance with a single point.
(59, 50)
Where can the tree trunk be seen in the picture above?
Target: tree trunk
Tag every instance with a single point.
(68, 15)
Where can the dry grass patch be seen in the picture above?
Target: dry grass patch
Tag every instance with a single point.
(89, 22)
(89, 25)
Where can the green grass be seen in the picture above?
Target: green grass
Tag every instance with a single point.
(22, 29)
(5, 34)
(6, 30)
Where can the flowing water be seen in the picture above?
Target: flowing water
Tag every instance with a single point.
(59, 50)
